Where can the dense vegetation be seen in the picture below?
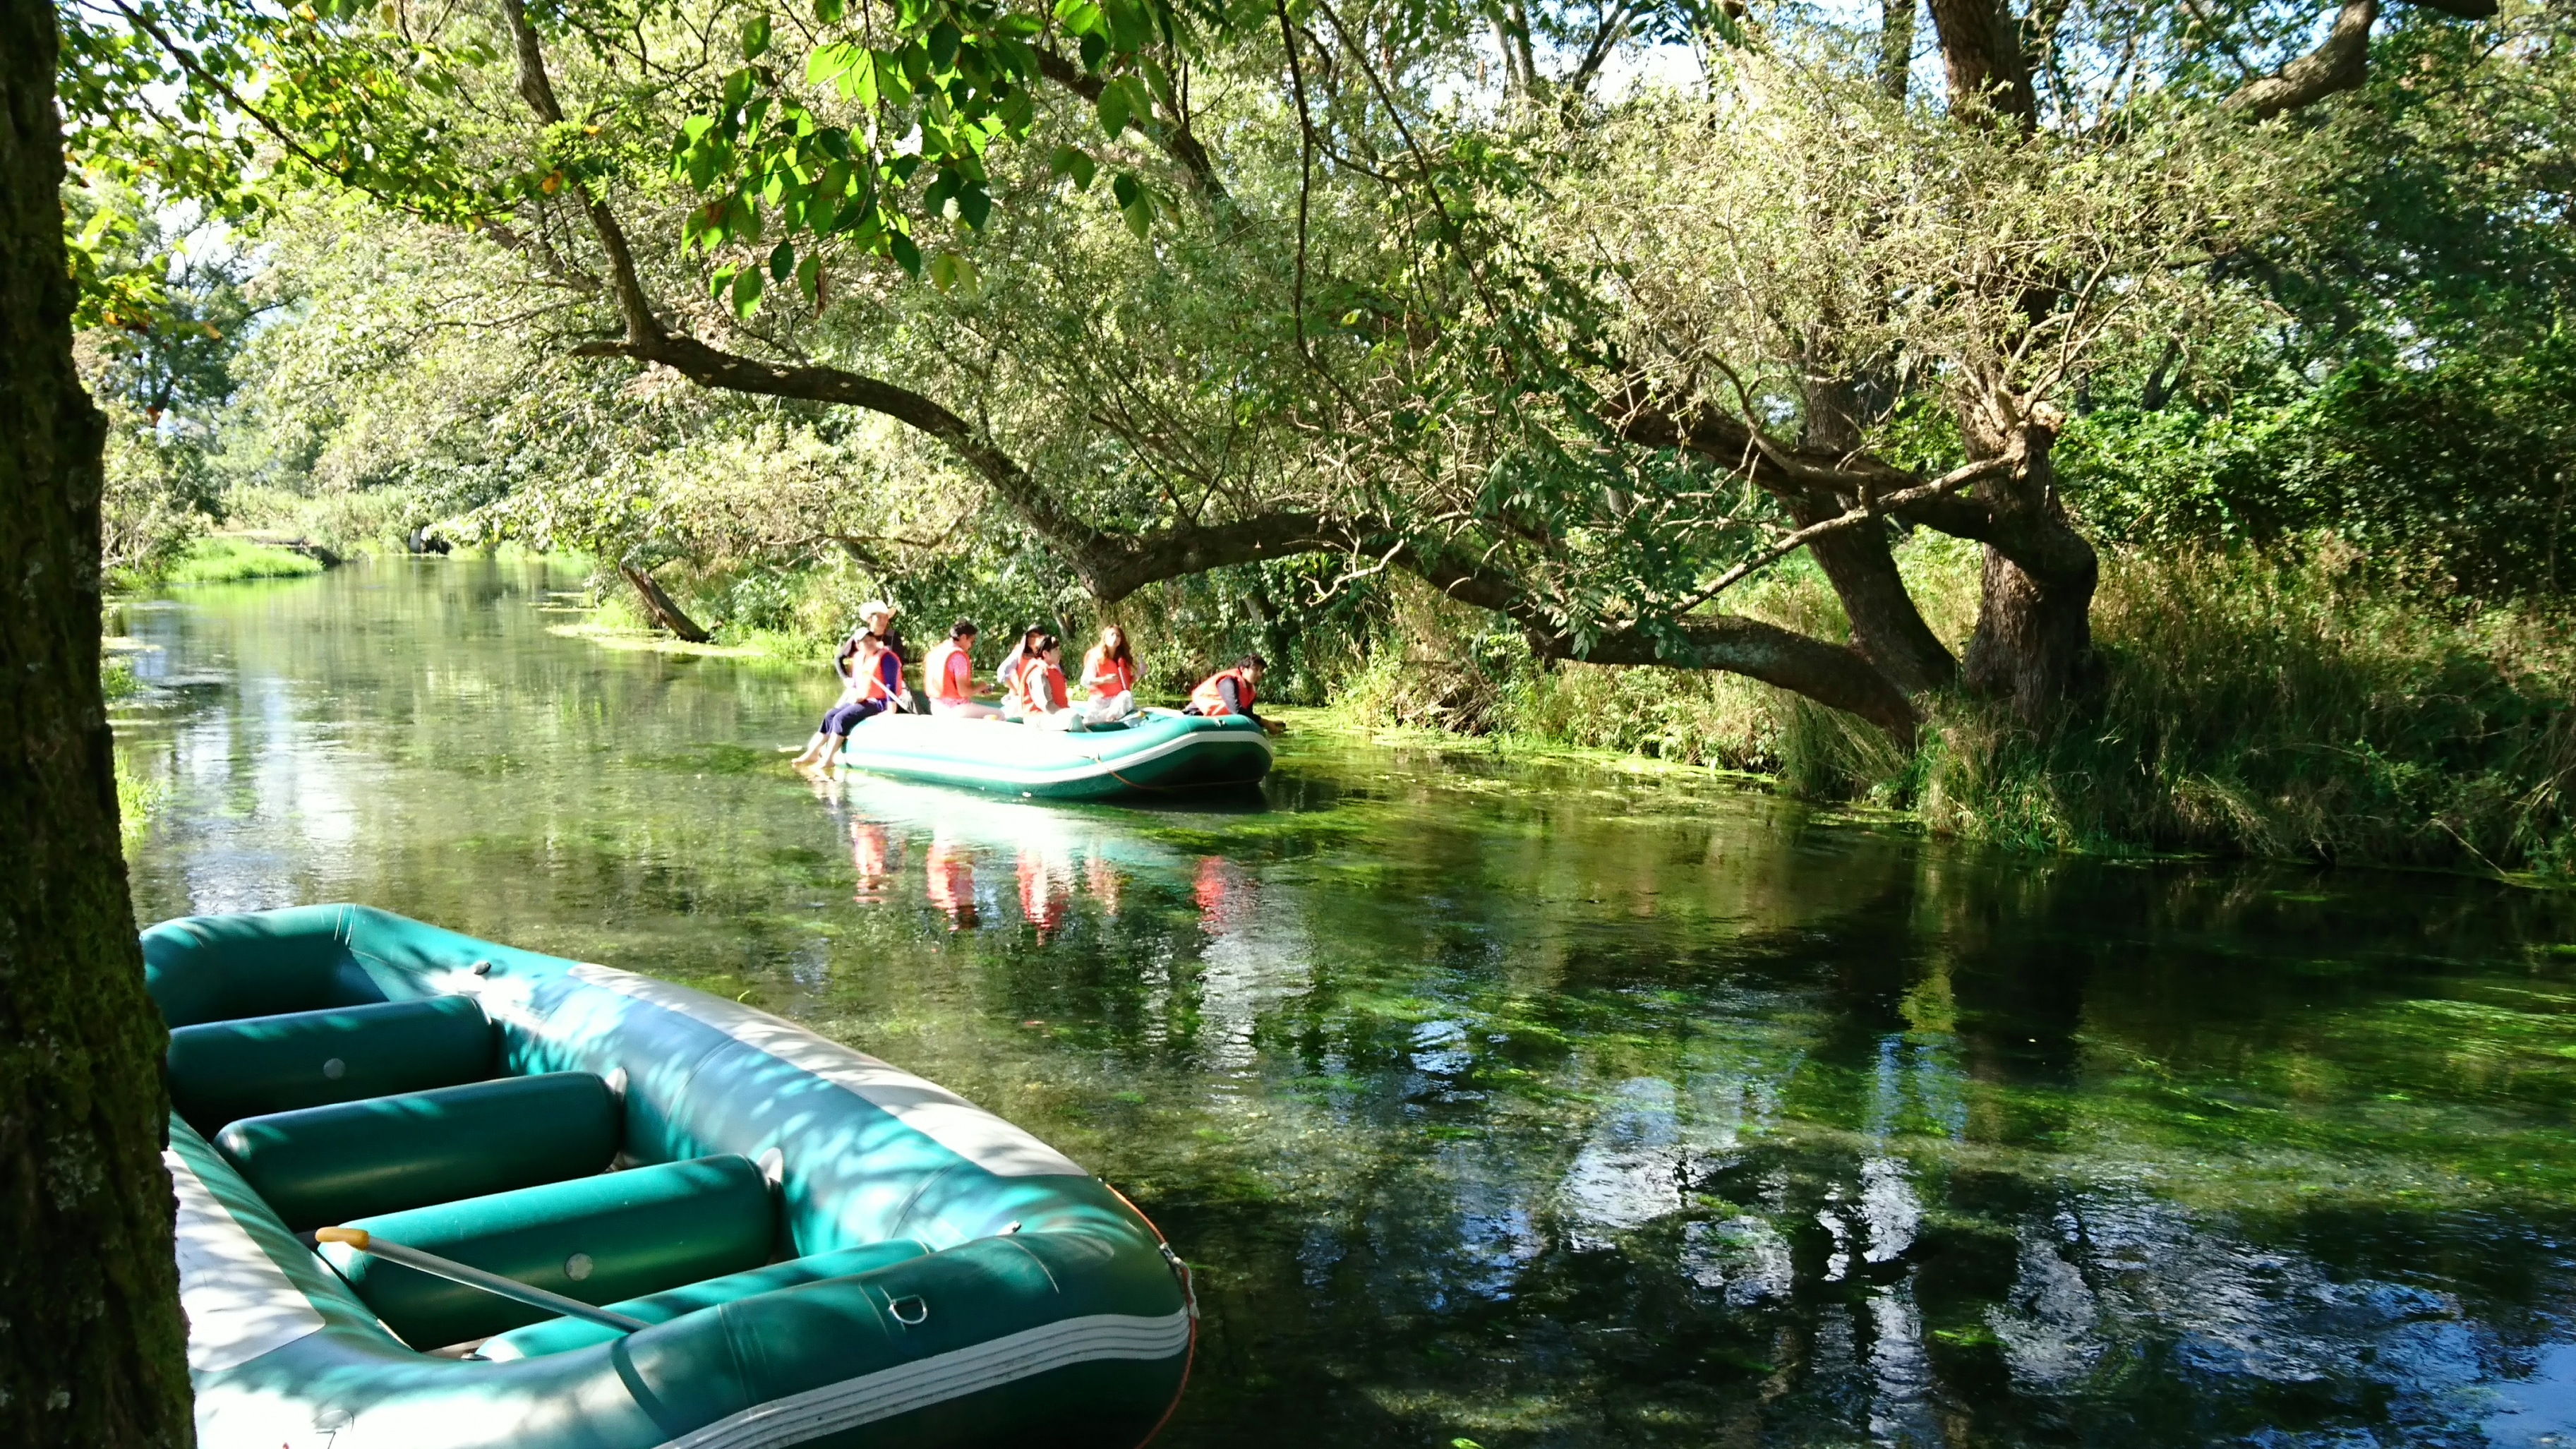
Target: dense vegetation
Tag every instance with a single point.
(2112, 424)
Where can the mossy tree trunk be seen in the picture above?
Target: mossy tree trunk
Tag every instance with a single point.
(92, 1345)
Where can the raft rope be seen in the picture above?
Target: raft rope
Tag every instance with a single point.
(1189, 1299)
(493, 1283)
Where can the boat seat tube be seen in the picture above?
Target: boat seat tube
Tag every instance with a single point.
(564, 1334)
(322, 1165)
(223, 1071)
(599, 1239)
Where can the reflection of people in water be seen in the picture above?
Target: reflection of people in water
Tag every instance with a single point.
(868, 858)
(1102, 880)
(1046, 890)
(950, 871)
(1223, 892)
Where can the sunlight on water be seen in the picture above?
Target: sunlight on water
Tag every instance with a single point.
(1512, 1101)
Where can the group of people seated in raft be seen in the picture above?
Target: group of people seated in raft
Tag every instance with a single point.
(1031, 677)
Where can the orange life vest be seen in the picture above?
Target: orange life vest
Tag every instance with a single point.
(870, 680)
(1105, 676)
(1040, 687)
(939, 673)
(1209, 699)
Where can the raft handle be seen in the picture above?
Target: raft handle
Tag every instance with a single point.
(908, 1310)
(493, 1283)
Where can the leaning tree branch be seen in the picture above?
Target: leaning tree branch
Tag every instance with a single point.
(1830, 674)
(2341, 62)
(1871, 506)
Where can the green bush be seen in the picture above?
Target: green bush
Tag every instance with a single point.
(2454, 479)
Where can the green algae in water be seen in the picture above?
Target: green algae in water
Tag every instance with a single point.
(1505, 1099)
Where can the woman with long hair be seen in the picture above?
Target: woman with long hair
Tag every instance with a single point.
(1109, 678)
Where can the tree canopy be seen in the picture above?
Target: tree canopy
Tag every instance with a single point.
(1581, 313)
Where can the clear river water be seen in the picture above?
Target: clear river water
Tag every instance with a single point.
(1523, 1103)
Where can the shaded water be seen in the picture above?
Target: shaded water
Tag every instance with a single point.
(1532, 1105)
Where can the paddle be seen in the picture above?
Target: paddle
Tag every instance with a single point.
(455, 1272)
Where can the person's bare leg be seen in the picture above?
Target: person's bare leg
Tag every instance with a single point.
(812, 752)
(829, 764)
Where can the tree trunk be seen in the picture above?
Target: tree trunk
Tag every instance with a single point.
(2034, 641)
(93, 1350)
(660, 608)
(1896, 45)
(1887, 628)
(1982, 55)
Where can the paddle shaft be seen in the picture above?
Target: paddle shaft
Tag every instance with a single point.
(493, 1283)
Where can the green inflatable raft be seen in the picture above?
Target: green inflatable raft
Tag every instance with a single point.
(757, 1236)
(1154, 752)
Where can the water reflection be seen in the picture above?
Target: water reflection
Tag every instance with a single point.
(1515, 1102)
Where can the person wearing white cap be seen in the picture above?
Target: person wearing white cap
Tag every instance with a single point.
(871, 674)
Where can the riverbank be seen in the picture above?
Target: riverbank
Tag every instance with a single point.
(2278, 707)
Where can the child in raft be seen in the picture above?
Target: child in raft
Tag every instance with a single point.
(871, 674)
(1109, 679)
(1008, 674)
(1039, 687)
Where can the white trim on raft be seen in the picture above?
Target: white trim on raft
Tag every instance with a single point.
(941, 1377)
(983, 1139)
(239, 1303)
(1087, 767)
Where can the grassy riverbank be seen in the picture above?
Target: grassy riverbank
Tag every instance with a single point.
(226, 559)
(2251, 705)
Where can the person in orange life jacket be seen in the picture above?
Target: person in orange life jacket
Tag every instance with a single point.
(1109, 679)
(1043, 702)
(871, 675)
(1008, 675)
(948, 676)
(1231, 691)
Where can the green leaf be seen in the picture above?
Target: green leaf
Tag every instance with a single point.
(720, 279)
(809, 279)
(942, 45)
(746, 291)
(829, 63)
(1135, 203)
(782, 260)
(755, 37)
(906, 255)
(828, 12)
(1075, 162)
(974, 205)
(1113, 109)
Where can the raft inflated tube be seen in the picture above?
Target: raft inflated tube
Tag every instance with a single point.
(820, 1247)
(1149, 754)
(393, 1252)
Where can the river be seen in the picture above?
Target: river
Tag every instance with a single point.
(1525, 1103)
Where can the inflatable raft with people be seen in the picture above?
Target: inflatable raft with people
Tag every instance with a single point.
(436, 1193)
(1150, 753)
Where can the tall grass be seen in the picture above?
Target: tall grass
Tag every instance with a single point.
(222, 559)
(2287, 704)
(2279, 706)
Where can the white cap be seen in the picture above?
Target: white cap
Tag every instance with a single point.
(874, 607)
